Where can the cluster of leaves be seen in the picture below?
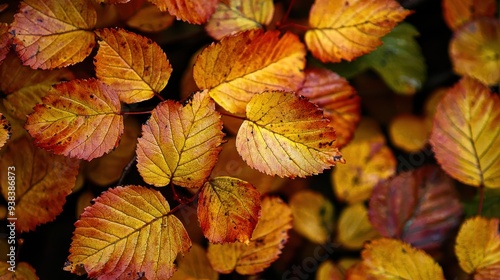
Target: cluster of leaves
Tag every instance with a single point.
(280, 117)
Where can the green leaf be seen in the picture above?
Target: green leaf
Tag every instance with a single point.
(491, 204)
(399, 61)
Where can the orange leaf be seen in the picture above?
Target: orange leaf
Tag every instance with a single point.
(474, 50)
(478, 248)
(250, 62)
(458, 12)
(420, 207)
(150, 19)
(109, 168)
(4, 130)
(268, 238)
(393, 259)
(228, 209)
(233, 16)
(42, 182)
(133, 65)
(408, 132)
(192, 11)
(23, 271)
(25, 87)
(5, 41)
(348, 29)
(54, 33)
(466, 135)
(354, 227)
(195, 265)
(112, 235)
(337, 98)
(80, 118)
(370, 161)
(180, 144)
(295, 142)
(312, 215)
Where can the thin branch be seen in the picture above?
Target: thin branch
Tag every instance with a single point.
(481, 200)
(126, 170)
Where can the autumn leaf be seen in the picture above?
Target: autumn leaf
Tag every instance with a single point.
(420, 207)
(192, 11)
(408, 132)
(268, 238)
(351, 28)
(354, 227)
(4, 130)
(25, 87)
(135, 66)
(149, 18)
(42, 180)
(23, 271)
(232, 16)
(370, 161)
(393, 259)
(250, 62)
(228, 209)
(458, 12)
(474, 50)
(337, 98)
(327, 270)
(53, 34)
(312, 215)
(478, 248)
(122, 222)
(466, 134)
(171, 150)
(195, 265)
(5, 40)
(300, 139)
(80, 118)
(109, 168)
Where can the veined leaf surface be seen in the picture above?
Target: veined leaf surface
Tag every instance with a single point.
(192, 11)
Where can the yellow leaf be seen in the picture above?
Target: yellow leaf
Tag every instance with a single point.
(327, 270)
(466, 135)
(408, 132)
(354, 227)
(150, 19)
(393, 259)
(23, 271)
(195, 266)
(42, 182)
(192, 11)
(475, 50)
(79, 118)
(369, 162)
(458, 12)
(180, 144)
(122, 222)
(250, 62)
(135, 66)
(312, 215)
(292, 142)
(268, 238)
(347, 29)
(478, 248)
(337, 98)
(232, 16)
(228, 209)
(54, 33)
(109, 168)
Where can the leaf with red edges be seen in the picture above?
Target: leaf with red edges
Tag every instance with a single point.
(192, 11)
(458, 12)
(80, 118)
(228, 209)
(420, 207)
(54, 33)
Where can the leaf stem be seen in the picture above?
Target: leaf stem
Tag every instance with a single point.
(159, 97)
(126, 170)
(285, 17)
(135, 113)
(481, 200)
(232, 116)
